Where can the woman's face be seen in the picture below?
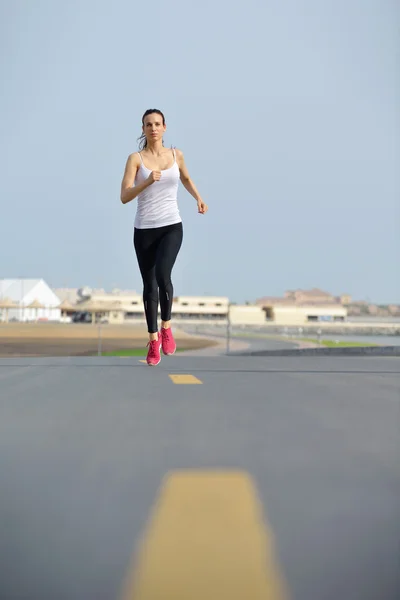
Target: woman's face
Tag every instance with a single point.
(153, 127)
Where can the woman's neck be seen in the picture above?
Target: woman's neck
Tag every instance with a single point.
(155, 148)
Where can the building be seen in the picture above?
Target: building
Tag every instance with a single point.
(127, 307)
(212, 308)
(303, 306)
(248, 314)
(313, 296)
(33, 300)
(74, 295)
(294, 308)
(301, 314)
(345, 299)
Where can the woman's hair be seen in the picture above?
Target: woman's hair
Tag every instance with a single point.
(142, 139)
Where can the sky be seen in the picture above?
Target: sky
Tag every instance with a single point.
(288, 115)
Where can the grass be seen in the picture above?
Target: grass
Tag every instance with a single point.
(131, 352)
(333, 344)
(326, 343)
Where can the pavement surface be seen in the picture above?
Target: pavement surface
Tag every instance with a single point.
(238, 342)
(220, 477)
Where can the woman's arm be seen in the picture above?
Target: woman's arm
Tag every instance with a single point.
(188, 182)
(128, 192)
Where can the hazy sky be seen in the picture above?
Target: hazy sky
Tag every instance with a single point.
(288, 114)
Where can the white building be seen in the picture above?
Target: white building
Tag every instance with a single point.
(74, 295)
(25, 292)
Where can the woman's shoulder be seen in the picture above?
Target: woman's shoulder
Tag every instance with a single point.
(178, 154)
(134, 158)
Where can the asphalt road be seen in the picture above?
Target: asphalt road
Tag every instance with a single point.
(239, 341)
(86, 443)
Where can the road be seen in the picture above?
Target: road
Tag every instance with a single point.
(99, 456)
(239, 340)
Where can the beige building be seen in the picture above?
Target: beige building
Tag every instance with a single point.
(315, 296)
(300, 315)
(200, 307)
(128, 308)
(345, 299)
(294, 308)
(303, 306)
(247, 315)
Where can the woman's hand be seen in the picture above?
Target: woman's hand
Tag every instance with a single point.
(154, 176)
(202, 207)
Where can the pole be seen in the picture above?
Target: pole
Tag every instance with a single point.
(99, 340)
(228, 329)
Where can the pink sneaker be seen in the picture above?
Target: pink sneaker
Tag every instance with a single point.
(167, 341)
(153, 354)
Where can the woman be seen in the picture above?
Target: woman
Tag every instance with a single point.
(152, 176)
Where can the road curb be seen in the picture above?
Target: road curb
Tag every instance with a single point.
(318, 351)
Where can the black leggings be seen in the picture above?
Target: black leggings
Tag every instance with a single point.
(156, 251)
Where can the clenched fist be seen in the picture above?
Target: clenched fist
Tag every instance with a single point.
(202, 207)
(154, 176)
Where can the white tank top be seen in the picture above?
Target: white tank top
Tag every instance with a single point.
(157, 205)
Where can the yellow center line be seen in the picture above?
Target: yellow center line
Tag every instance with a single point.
(206, 540)
(185, 379)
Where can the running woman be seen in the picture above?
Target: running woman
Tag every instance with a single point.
(152, 176)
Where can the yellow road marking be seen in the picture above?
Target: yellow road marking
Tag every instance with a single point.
(143, 361)
(185, 379)
(206, 540)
